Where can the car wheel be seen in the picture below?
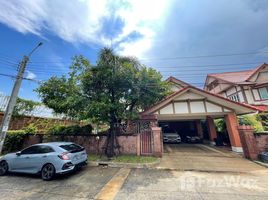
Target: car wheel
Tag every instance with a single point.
(48, 172)
(3, 168)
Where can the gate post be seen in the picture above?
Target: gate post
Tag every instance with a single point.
(138, 144)
(248, 142)
(157, 141)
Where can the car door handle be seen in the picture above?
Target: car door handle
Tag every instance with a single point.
(27, 157)
(44, 156)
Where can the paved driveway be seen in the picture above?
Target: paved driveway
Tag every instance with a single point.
(199, 157)
(84, 184)
(156, 184)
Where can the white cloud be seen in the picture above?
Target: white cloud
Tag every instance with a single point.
(30, 75)
(80, 21)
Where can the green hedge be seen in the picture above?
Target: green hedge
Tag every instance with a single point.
(252, 121)
(70, 130)
(14, 140)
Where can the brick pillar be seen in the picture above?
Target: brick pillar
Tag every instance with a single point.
(248, 141)
(199, 128)
(211, 130)
(231, 125)
(157, 141)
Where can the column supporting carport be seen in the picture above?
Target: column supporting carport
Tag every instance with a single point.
(231, 125)
(211, 130)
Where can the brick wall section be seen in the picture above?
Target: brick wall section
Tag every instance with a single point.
(248, 142)
(157, 142)
(21, 122)
(91, 143)
(262, 142)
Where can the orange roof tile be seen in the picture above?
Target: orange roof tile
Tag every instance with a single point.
(239, 77)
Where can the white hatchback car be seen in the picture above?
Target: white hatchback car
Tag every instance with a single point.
(45, 158)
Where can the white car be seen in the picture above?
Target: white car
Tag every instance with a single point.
(170, 135)
(45, 158)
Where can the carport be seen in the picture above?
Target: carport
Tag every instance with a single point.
(190, 105)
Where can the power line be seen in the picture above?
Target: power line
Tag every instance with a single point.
(171, 58)
(204, 56)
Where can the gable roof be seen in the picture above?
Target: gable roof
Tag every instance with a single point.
(174, 80)
(241, 107)
(238, 77)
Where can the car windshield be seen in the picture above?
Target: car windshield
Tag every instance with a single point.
(168, 130)
(72, 147)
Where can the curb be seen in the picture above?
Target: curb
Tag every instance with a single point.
(261, 163)
(124, 165)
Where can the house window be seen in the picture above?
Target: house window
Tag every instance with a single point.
(263, 93)
(234, 97)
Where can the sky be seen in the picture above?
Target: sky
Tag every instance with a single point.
(186, 39)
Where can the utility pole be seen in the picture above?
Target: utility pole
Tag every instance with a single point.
(13, 98)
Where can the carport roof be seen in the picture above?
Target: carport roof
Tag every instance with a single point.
(237, 107)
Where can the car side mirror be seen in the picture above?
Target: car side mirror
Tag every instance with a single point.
(18, 153)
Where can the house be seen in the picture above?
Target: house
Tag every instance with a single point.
(188, 106)
(248, 86)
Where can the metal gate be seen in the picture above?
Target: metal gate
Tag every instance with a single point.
(146, 142)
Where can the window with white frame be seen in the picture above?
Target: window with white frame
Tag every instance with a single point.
(234, 97)
(263, 93)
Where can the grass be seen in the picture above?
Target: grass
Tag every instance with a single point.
(125, 159)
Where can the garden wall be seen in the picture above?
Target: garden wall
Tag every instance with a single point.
(92, 143)
(23, 121)
(262, 141)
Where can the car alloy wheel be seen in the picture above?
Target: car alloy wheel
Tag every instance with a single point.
(3, 168)
(48, 172)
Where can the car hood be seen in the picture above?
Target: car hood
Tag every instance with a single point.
(8, 155)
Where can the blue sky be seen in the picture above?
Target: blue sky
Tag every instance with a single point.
(160, 33)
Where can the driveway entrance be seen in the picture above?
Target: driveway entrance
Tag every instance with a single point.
(200, 157)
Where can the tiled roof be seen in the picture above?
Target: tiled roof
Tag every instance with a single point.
(239, 77)
(234, 77)
(261, 108)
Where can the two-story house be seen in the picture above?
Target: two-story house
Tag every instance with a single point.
(248, 86)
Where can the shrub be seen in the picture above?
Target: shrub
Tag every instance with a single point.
(252, 121)
(220, 125)
(14, 140)
(70, 130)
(30, 129)
(263, 118)
(56, 129)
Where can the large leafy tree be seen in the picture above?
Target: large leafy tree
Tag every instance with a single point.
(116, 89)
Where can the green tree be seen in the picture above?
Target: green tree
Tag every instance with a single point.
(24, 107)
(114, 90)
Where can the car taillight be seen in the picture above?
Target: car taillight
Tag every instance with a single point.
(64, 156)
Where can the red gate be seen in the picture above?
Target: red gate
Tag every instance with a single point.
(146, 142)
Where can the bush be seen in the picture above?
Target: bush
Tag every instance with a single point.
(70, 130)
(30, 129)
(263, 118)
(14, 140)
(252, 121)
(220, 125)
